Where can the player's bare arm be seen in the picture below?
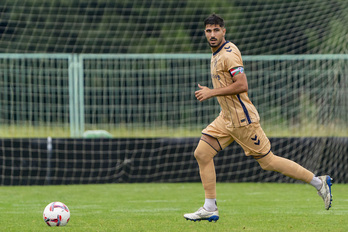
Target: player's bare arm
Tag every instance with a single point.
(239, 85)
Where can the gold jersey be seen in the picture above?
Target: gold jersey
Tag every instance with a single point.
(236, 110)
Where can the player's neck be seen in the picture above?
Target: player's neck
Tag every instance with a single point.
(214, 49)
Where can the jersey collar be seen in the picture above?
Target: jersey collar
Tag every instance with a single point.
(220, 48)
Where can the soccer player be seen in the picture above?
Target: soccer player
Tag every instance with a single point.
(238, 121)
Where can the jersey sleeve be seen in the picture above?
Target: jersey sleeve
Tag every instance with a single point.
(233, 59)
(236, 70)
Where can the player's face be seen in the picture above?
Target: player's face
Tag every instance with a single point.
(215, 35)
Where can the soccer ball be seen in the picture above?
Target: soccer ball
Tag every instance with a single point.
(56, 214)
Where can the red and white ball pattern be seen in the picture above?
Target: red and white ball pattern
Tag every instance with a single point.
(56, 214)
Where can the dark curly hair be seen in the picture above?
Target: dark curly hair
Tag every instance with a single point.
(214, 19)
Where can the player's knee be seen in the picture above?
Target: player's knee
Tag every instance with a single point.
(197, 154)
(200, 155)
(266, 162)
(204, 152)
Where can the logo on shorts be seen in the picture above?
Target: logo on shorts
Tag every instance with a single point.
(257, 141)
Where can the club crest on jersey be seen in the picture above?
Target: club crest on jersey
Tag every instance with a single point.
(215, 76)
(215, 62)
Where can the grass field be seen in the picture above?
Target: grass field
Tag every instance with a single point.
(160, 207)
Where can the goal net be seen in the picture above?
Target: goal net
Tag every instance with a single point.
(171, 26)
(129, 69)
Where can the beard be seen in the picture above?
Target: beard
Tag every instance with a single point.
(218, 43)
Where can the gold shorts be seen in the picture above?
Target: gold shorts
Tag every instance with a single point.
(251, 137)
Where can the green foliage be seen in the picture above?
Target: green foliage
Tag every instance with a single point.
(105, 26)
(160, 207)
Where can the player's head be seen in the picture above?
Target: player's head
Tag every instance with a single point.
(215, 30)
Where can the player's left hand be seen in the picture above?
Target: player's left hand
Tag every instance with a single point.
(203, 94)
